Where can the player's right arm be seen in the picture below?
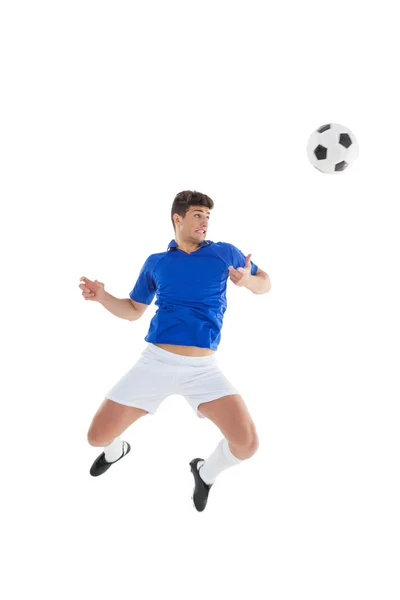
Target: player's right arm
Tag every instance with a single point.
(124, 308)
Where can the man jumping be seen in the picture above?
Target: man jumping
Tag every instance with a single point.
(189, 281)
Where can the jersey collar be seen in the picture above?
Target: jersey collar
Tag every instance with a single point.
(174, 246)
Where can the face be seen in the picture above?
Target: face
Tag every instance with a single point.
(196, 219)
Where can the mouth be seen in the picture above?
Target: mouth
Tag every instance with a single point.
(202, 231)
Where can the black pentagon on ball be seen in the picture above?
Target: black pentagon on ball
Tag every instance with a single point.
(341, 166)
(345, 140)
(323, 128)
(320, 152)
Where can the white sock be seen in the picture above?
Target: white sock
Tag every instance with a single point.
(221, 459)
(114, 450)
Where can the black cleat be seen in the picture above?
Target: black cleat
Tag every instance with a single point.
(201, 489)
(100, 465)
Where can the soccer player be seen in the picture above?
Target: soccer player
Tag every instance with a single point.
(189, 281)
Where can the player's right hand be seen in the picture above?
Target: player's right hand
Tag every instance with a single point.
(92, 290)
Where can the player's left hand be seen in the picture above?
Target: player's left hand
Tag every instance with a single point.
(241, 276)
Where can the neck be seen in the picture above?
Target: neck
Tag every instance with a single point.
(186, 245)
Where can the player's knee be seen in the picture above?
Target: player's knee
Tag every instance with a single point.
(95, 437)
(253, 441)
(246, 441)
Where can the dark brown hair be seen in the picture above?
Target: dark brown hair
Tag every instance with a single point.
(185, 199)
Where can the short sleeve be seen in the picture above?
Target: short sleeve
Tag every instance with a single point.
(145, 286)
(239, 260)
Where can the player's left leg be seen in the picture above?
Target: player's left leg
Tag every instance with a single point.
(230, 414)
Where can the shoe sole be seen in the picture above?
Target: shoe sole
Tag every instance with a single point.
(194, 505)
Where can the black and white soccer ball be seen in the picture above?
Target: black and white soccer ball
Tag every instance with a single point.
(332, 148)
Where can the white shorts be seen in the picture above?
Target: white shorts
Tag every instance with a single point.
(159, 374)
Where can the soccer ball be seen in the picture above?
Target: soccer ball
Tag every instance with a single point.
(332, 148)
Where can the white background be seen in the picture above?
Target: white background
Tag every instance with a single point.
(108, 109)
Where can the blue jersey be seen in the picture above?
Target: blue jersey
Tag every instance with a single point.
(190, 290)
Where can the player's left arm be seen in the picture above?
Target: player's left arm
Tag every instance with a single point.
(259, 283)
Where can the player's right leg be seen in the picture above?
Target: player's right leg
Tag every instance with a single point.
(140, 391)
(109, 422)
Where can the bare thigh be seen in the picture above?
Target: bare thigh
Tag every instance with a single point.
(110, 420)
(231, 416)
